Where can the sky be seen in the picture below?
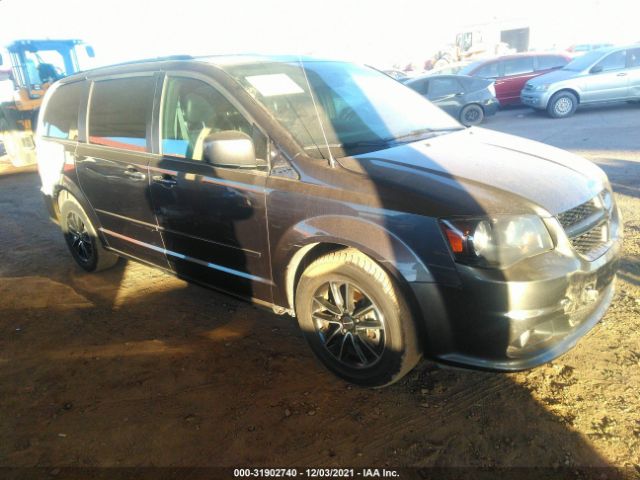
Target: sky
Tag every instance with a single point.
(379, 32)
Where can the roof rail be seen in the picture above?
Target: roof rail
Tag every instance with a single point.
(142, 60)
(153, 59)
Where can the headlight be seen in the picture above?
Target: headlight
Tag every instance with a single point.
(541, 88)
(498, 241)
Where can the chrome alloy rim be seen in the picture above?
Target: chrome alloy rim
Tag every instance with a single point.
(350, 325)
(563, 106)
(79, 238)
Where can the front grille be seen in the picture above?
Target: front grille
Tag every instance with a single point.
(578, 214)
(593, 243)
(587, 227)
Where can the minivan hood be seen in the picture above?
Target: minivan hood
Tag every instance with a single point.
(553, 77)
(477, 171)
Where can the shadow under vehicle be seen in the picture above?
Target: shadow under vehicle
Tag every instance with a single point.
(329, 191)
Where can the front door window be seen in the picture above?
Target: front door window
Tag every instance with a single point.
(193, 110)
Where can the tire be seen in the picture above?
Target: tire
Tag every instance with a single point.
(80, 236)
(374, 355)
(562, 105)
(471, 115)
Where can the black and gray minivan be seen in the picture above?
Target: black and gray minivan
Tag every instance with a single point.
(331, 192)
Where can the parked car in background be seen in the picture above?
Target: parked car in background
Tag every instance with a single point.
(511, 72)
(582, 48)
(395, 74)
(450, 68)
(605, 75)
(467, 99)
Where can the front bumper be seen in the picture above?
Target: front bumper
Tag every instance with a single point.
(535, 99)
(519, 318)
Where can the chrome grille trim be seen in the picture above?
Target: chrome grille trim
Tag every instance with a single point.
(587, 227)
(570, 217)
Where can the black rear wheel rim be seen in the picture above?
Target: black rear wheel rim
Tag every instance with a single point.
(349, 324)
(472, 115)
(78, 238)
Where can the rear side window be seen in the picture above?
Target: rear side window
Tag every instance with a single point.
(490, 70)
(119, 112)
(61, 116)
(547, 62)
(518, 66)
(633, 58)
(440, 87)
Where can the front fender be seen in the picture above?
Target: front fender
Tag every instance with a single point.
(370, 238)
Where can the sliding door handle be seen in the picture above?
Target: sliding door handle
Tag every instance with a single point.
(134, 174)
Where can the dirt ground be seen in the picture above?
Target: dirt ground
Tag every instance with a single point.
(133, 367)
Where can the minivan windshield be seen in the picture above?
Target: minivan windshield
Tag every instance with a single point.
(355, 108)
(584, 61)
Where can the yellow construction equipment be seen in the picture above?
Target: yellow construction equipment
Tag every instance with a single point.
(34, 66)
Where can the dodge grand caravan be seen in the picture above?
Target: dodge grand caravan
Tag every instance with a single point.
(331, 192)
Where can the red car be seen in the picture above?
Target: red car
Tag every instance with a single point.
(511, 72)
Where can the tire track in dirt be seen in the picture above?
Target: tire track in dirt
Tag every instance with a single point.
(442, 407)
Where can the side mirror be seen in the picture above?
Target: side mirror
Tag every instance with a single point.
(90, 52)
(231, 149)
(596, 69)
(0, 59)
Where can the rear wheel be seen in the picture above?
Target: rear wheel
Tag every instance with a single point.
(81, 238)
(562, 104)
(356, 320)
(471, 115)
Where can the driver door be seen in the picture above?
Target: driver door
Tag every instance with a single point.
(609, 84)
(212, 219)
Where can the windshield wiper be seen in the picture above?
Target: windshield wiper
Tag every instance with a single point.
(383, 142)
(420, 133)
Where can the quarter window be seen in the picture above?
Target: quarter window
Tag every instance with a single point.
(491, 70)
(421, 86)
(614, 61)
(193, 110)
(119, 112)
(518, 66)
(61, 116)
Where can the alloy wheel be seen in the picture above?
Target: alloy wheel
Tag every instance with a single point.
(563, 106)
(79, 238)
(350, 325)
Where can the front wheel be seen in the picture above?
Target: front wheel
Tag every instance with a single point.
(562, 104)
(356, 320)
(471, 115)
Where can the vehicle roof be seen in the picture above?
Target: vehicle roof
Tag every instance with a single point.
(522, 54)
(220, 61)
(438, 75)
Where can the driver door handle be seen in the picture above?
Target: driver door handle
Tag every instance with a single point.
(165, 180)
(622, 74)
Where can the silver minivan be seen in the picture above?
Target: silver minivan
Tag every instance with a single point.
(604, 75)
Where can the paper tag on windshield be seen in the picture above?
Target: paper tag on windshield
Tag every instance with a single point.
(274, 84)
